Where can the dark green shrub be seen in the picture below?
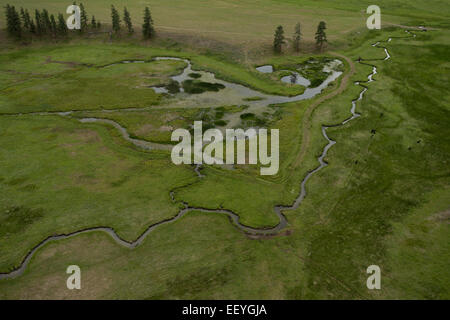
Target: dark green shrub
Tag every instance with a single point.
(196, 86)
(173, 87)
(195, 75)
(220, 123)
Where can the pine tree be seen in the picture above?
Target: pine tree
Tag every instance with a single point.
(53, 25)
(39, 23)
(25, 21)
(9, 23)
(32, 27)
(93, 23)
(9, 20)
(83, 18)
(321, 37)
(13, 24)
(46, 21)
(99, 25)
(127, 20)
(16, 22)
(278, 40)
(62, 26)
(297, 37)
(28, 19)
(147, 27)
(115, 20)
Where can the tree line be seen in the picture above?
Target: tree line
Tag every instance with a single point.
(279, 38)
(20, 23)
(148, 30)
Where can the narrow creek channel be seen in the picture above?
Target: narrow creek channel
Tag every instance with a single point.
(234, 218)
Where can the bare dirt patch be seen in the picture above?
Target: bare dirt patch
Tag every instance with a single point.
(443, 217)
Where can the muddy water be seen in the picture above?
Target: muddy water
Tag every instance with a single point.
(233, 93)
(232, 216)
(237, 94)
(293, 78)
(242, 92)
(296, 78)
(265, 69)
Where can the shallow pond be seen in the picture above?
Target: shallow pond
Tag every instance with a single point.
(265, 69)
(237, 94)
(296, 78)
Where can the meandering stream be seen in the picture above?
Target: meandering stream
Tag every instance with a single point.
(234, 218)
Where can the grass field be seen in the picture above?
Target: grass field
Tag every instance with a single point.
(384, 199)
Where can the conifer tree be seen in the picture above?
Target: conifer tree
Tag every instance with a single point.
(321, 37)
(39, 24)
(115, 20)
(25, 19)
(45, 19)
(278, 40)
(53, 25)
(16, 22)
(32, 27)
(13, 24)
(62, 26)
(297, 37)
(83, 18)
(147, 27)
(93, 23)
(127, 20)
(28, 19)
(99, 25)
(9, 20)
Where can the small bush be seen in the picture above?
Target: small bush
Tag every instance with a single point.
(220, 123)
(195, 75)
(254, 99)
(248, 116)
(173, 87)
(196, 86)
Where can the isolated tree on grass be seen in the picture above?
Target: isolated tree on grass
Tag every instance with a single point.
(147, 28)
(115, 20)
(278, 40)
(83, 18)
(321, 36)
(93, 23)
(297, 37)
(62, 26)
(127, 20)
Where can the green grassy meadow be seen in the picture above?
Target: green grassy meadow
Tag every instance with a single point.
(384, 199)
